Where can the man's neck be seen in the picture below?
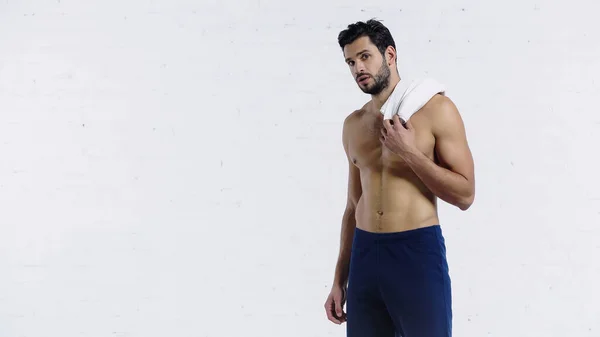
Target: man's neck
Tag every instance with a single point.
(377, 101)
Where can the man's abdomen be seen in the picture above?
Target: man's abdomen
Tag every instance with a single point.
(394, 202)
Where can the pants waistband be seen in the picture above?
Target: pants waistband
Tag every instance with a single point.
(365, 237)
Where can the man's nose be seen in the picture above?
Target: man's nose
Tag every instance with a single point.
(360, 67)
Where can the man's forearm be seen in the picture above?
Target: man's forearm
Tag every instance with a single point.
(445, 184)
(346, 237)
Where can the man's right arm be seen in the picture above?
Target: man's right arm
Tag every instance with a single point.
(348, 219)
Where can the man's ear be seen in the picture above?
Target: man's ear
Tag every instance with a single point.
(390, 55)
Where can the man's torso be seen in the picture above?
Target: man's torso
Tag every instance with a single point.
(393, 197)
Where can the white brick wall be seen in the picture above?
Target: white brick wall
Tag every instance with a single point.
(175, 168)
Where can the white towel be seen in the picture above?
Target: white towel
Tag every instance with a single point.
(408, 97)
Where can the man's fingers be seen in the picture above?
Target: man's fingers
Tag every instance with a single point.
(399, 122)
(339, 313)
(338, 308)
(332, 318)
(384, 132)
(386, 123)
(329, 309)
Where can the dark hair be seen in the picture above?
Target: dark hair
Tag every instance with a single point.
(379, 35)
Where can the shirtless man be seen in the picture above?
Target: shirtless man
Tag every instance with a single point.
(392, 270)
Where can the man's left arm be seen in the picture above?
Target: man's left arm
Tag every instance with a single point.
(454, 179)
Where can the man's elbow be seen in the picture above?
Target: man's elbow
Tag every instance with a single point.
(464, 206)
(465, 202)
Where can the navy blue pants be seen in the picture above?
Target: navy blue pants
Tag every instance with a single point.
(399, 285)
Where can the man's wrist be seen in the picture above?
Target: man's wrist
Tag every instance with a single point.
(339, 283)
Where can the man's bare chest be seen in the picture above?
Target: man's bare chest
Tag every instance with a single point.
(367, 150)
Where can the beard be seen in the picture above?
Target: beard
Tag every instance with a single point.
(381, 79)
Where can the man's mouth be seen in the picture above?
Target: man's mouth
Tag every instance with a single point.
(363, 78)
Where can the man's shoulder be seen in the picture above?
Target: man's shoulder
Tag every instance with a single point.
(354, 116)
(441, 111)
(350, 123)
(439, 102)
(440, 106)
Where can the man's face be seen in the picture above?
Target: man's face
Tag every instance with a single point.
(368, 67)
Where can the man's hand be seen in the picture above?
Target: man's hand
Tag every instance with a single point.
(399, 137)
(334, 305)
